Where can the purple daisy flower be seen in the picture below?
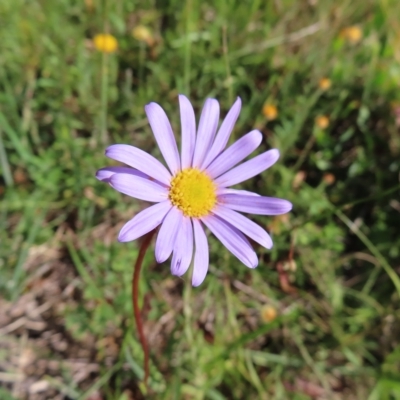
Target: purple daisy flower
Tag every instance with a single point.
(194, 190)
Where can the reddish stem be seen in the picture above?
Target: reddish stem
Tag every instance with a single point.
(135, 301)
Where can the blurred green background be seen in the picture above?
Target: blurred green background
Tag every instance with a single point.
(319, 318)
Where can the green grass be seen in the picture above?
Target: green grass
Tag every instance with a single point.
(61, 100)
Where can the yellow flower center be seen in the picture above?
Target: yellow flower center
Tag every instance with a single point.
(193, 192)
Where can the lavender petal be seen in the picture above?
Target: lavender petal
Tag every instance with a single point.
(248, 169)
(222, 191)
(139, 188)
(144, 222)
(183, 251)
(224, 133)
(232, 239)
(188, 125)
(235, 154)
(166, 236)
(260, 205)
(164, 135)
(201, 256)
(207, 127)
(140, 160)
(104, 174)
(245, 225)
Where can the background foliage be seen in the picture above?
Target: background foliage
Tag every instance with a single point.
(319, 317)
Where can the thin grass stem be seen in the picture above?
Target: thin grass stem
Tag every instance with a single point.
(5, 165)
(104, 99)
(227, 65)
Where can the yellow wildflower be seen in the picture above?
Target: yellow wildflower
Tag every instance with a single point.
(105, 43)
(324, 83)
(270, 111)
(143, 34)
(89, 5)
(268, 313)
(322, 121)
(352, 34)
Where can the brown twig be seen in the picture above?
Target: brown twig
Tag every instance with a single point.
(135, 301)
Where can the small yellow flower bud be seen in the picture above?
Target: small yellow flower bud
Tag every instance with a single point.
(89, 5)
(268, 313)
(105, 43)
(352, 34)
(324, 84)
(270, 111)
(143, 34)
(322, 121)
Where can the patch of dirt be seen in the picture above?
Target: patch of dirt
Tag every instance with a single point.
(39, 359)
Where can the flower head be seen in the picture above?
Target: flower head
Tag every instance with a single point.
(353, 34)
(193, 191)
(324, 83)
(143, 34)
(322, 121)
(268, 313)
(269, 111)
(105, 43)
